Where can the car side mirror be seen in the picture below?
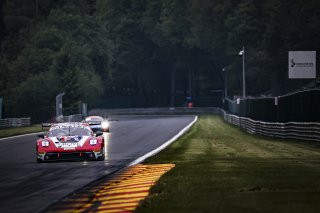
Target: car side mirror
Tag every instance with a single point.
(41, 136)
(99, 133)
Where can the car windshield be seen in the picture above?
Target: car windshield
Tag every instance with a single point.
(80, 131)
(94, 119)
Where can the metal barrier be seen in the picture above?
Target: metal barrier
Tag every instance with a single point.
(69, 118)
(291, 130)
(155, 111)
(62, 119)
(14, 122)
(73, 118)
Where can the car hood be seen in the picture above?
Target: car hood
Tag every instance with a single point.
(69, 139)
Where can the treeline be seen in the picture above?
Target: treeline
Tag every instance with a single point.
(142, 53)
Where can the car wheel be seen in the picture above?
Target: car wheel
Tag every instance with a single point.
(101, 158)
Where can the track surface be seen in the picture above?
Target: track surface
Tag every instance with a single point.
(27, 186)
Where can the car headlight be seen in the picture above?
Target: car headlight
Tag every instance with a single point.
(105, 124)
(45, 143)
(93, 142)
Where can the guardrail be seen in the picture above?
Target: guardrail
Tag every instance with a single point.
(155, 111)
(294, 130)
(290, 130)
(73, 118)
(61, 119)
(14, 122)
(70, 118)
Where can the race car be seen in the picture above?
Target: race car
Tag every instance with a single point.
(97, 123)
(70, 141)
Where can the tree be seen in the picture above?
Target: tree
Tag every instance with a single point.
(34, 97)
(140, 53)
(2, 26)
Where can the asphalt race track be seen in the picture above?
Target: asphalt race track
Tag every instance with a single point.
(27, 186)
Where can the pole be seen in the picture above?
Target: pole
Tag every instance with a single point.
(243, 75)
(173, 87)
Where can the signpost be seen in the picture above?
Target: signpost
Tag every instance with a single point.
(84, 109)
(59, 106)
(302, 64)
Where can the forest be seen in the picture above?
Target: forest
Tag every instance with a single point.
(147, 53)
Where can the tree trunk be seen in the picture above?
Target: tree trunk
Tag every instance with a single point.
(36, 6)
(173, 86)
(190, 83)
(2, 27)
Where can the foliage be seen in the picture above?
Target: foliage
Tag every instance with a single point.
(140, 53)
(65, 50)
(33, 97)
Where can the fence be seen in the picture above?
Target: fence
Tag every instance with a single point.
(292, 130)
(14, 122)
(301, 106)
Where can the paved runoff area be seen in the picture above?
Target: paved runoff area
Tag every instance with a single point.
(120, 194)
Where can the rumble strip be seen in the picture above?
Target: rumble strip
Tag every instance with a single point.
(120, 194)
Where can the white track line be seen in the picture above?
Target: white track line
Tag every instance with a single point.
(163, 146)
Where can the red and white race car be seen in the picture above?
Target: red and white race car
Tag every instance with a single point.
(70, 141)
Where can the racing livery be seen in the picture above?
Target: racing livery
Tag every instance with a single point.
(97, 123)
(70, 141)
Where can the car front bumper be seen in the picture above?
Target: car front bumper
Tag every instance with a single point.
(76, 155)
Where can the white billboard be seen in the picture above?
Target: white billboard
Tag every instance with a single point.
(302, 64)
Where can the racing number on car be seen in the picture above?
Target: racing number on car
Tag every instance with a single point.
(69, 145)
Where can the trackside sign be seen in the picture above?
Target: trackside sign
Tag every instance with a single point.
(302, 64)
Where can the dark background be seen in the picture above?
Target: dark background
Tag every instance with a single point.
(147, 53)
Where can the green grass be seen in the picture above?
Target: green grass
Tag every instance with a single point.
(19, 130)
(221, 168)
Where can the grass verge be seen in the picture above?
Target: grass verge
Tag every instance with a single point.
(220, 168)
(19, 130)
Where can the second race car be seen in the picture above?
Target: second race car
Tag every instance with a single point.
(97, 123)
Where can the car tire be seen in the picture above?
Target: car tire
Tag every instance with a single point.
(101, 158)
